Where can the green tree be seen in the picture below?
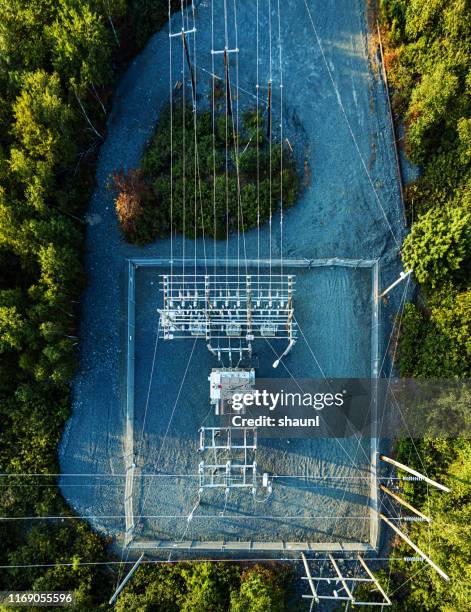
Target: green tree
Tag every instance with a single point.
(428, 107)
(23, 41)
(43, 125)
(204, 588)
(183, 586)
(464, 133)
(66, 543)
(437, 343)
(80, 45)
(439, 246)
(262, 589)
(16, 331)
(12, 328)
(152, 589)
(60, 273)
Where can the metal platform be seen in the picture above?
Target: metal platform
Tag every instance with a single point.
(228, 476)
(227, 438)
(225, 307)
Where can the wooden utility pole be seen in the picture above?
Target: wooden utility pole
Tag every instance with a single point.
(401, 466)
(269, 111)
(225, 52)
(183, 34)
(190, 67)
(404, 503)
(415, 547)
(228, 84)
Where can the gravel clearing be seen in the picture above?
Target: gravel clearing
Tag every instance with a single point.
(336, 119)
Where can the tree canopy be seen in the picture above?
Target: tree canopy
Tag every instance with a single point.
(429, 66)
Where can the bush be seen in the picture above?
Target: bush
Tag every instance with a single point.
(132, 193)
(438, 248)
(203, 197)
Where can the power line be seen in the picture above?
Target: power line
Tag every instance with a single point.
(261, 517)
(204, 560)
(158, 475)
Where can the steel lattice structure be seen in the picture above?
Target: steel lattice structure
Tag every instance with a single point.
(222, 307)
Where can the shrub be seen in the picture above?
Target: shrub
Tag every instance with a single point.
(211, 193)
(129, 202)
(438, 248)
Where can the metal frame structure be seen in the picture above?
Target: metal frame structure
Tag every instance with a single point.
(226, 307)
(232, 450)
(343, 584)
(227, 439)
(240, 469)
(227, 476)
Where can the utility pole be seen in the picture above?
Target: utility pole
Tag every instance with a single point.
(402, 276)
(126, 580)
(190, 68)
(183, 35)
(415, 547)
(225, 52)
(269, 111)
(404, 503)
(228, 84)
(401, 466)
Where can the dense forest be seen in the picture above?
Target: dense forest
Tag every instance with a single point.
(56, 61)
(428, 58)
(204, 179)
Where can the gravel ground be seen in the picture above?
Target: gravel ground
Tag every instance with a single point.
(335, 117)
(339, 328)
